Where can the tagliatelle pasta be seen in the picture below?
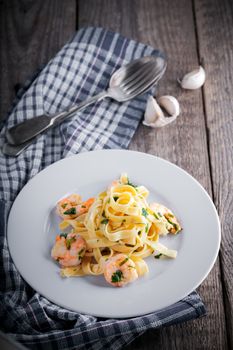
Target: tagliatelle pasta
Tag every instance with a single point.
(119, 229)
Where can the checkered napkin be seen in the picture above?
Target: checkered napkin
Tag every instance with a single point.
(82, 68)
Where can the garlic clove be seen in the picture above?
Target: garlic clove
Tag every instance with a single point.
(170, 104)
(193, 80)
(152, 112)
(154, 116)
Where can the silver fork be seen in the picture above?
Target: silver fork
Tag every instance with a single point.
(126, 83)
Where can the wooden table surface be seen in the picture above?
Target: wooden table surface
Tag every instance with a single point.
(191, 32)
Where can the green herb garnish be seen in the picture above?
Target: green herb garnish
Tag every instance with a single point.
(156, 216)
(104, 221)
(64, 205)
(176, 227)
(63, 235)
(147, 227)
(160, 214)
(144, 212)
(70, 211)
(158, 256)
(130, 183)
(115, 198)
(124, 261)
(80, 253)
(117, 276)
(69, 241)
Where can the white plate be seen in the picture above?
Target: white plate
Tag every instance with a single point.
(33, 225)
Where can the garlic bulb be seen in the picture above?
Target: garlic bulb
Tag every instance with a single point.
(154, 116)
(193, 80)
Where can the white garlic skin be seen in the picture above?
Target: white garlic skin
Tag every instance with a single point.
(152, 112)
(154, 116)
(193, 80)
(170, 104)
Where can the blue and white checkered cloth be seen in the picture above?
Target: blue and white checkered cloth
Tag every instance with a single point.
(82, 68)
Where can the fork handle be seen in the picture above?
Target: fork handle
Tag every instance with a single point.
(28, 129)
(60, 117)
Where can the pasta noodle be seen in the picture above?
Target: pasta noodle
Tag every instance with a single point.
(119, 221)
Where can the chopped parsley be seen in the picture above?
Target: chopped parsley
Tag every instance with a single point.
(158, 256)
(63, 235)
(130, 183)
(176, 227)
(64, 205)
(104, 221)
(80, 253)
(147, 228)
(124, 261)
(156, 216)
(115, 198)
(144, 212)
(69, 241)
(70, 211)
(117, 276)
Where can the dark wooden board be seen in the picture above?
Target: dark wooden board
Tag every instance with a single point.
(215, 37)
(31, 32)
(170, 26)
(200, 141)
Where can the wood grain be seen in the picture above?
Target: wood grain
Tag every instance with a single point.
(200, 141)
(31, 33)
(170, 26)
(215, 35)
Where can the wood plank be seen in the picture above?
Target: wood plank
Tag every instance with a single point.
(31, 33)
(215, 34)
(169, 25)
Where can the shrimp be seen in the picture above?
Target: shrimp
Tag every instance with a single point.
(84, 206)
(69, 249)
(72, 206)
(169, 216)
(120, 270)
